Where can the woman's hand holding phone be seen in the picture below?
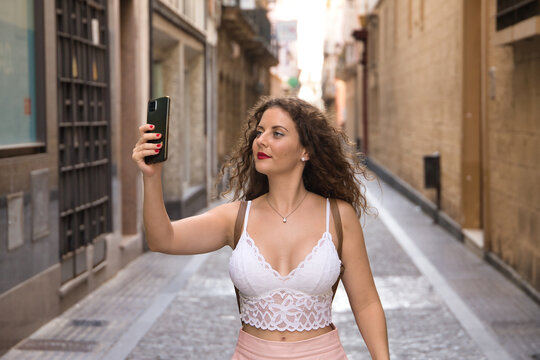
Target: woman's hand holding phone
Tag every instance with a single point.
(144, 148)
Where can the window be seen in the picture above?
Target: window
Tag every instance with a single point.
(22, 122)
(510, 12)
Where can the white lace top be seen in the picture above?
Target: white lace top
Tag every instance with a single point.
(301, 300)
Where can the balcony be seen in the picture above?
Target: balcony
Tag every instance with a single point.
(516, 20)
(252, 30)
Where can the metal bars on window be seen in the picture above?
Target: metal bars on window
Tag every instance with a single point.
(83, 122)
(510, 12)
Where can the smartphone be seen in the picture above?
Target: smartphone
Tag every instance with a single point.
(158, 115)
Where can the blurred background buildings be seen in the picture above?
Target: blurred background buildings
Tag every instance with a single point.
(405, 79)
(75, 78)
(457, 81)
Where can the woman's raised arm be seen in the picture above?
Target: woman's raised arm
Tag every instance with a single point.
(193, 235)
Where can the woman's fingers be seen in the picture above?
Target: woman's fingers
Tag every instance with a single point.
(147, 136)
(141, 154)
(149, 146)
(146, 153)
(144, 128)
(151, 136)
(146, 149)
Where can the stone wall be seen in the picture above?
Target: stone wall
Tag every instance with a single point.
(513, 116)
(415, 84)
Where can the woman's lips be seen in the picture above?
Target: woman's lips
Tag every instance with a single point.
(261, 155)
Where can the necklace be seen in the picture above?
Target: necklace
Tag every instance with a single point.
(285, 217)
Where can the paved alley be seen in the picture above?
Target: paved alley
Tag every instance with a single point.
(441, 302)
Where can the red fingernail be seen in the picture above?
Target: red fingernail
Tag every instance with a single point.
(158, 145)
(157, 150)
(151, 126)
(158, 135)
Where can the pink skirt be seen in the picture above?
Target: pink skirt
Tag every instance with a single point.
(325, 346)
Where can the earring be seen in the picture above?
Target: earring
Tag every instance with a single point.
(303, 158)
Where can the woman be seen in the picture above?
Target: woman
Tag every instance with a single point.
(288, 165)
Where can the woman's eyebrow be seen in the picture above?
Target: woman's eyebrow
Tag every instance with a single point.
(274, 127)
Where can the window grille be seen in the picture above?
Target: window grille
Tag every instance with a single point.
(83, 123)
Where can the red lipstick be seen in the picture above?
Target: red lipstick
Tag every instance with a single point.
(261, 155)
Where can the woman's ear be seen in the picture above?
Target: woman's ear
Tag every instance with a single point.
(305, 156)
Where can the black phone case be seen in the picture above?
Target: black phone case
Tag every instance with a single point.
(160, 119)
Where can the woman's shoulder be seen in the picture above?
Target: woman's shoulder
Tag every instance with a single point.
(228, 210)
(346, 211)
(230, 205)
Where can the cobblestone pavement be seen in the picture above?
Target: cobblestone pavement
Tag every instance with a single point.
(502, 309)
(184, 307)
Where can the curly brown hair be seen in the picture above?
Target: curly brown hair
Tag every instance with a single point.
(331, 172)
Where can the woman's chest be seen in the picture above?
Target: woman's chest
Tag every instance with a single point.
(252, 273)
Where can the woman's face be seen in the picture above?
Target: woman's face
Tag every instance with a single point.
(277, 148)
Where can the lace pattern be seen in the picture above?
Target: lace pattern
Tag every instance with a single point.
(260, 258)
(298, 301)
(287, 310)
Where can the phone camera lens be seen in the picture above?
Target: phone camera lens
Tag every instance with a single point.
(152, 106)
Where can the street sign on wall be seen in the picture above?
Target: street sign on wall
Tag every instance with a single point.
(286, 31)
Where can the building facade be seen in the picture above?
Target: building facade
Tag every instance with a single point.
(75, 79)
(285, 75)
(179, 70)
(342, 68)
(510, 129)
(458, 79)
(246, 51)
(69, 196)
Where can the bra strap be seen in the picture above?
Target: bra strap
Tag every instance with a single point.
(339, 233)
(327, 215)
(237, 234)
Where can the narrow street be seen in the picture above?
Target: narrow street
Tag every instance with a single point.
(441, 302)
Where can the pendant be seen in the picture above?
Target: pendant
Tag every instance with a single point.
(284, 220)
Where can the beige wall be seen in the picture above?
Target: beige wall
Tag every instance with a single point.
(275, 85)
(172, 86)
(236, 91)
(424, 96)
(513, 116)
(133, 39)
(353, 104)
(243, 62)
(230, 90)
(415, 92)
(181, 60)
(197, 139)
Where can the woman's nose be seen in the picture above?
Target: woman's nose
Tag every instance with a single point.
(261, 140)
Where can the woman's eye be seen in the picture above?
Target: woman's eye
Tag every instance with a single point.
(277, 133)
(258, 133)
